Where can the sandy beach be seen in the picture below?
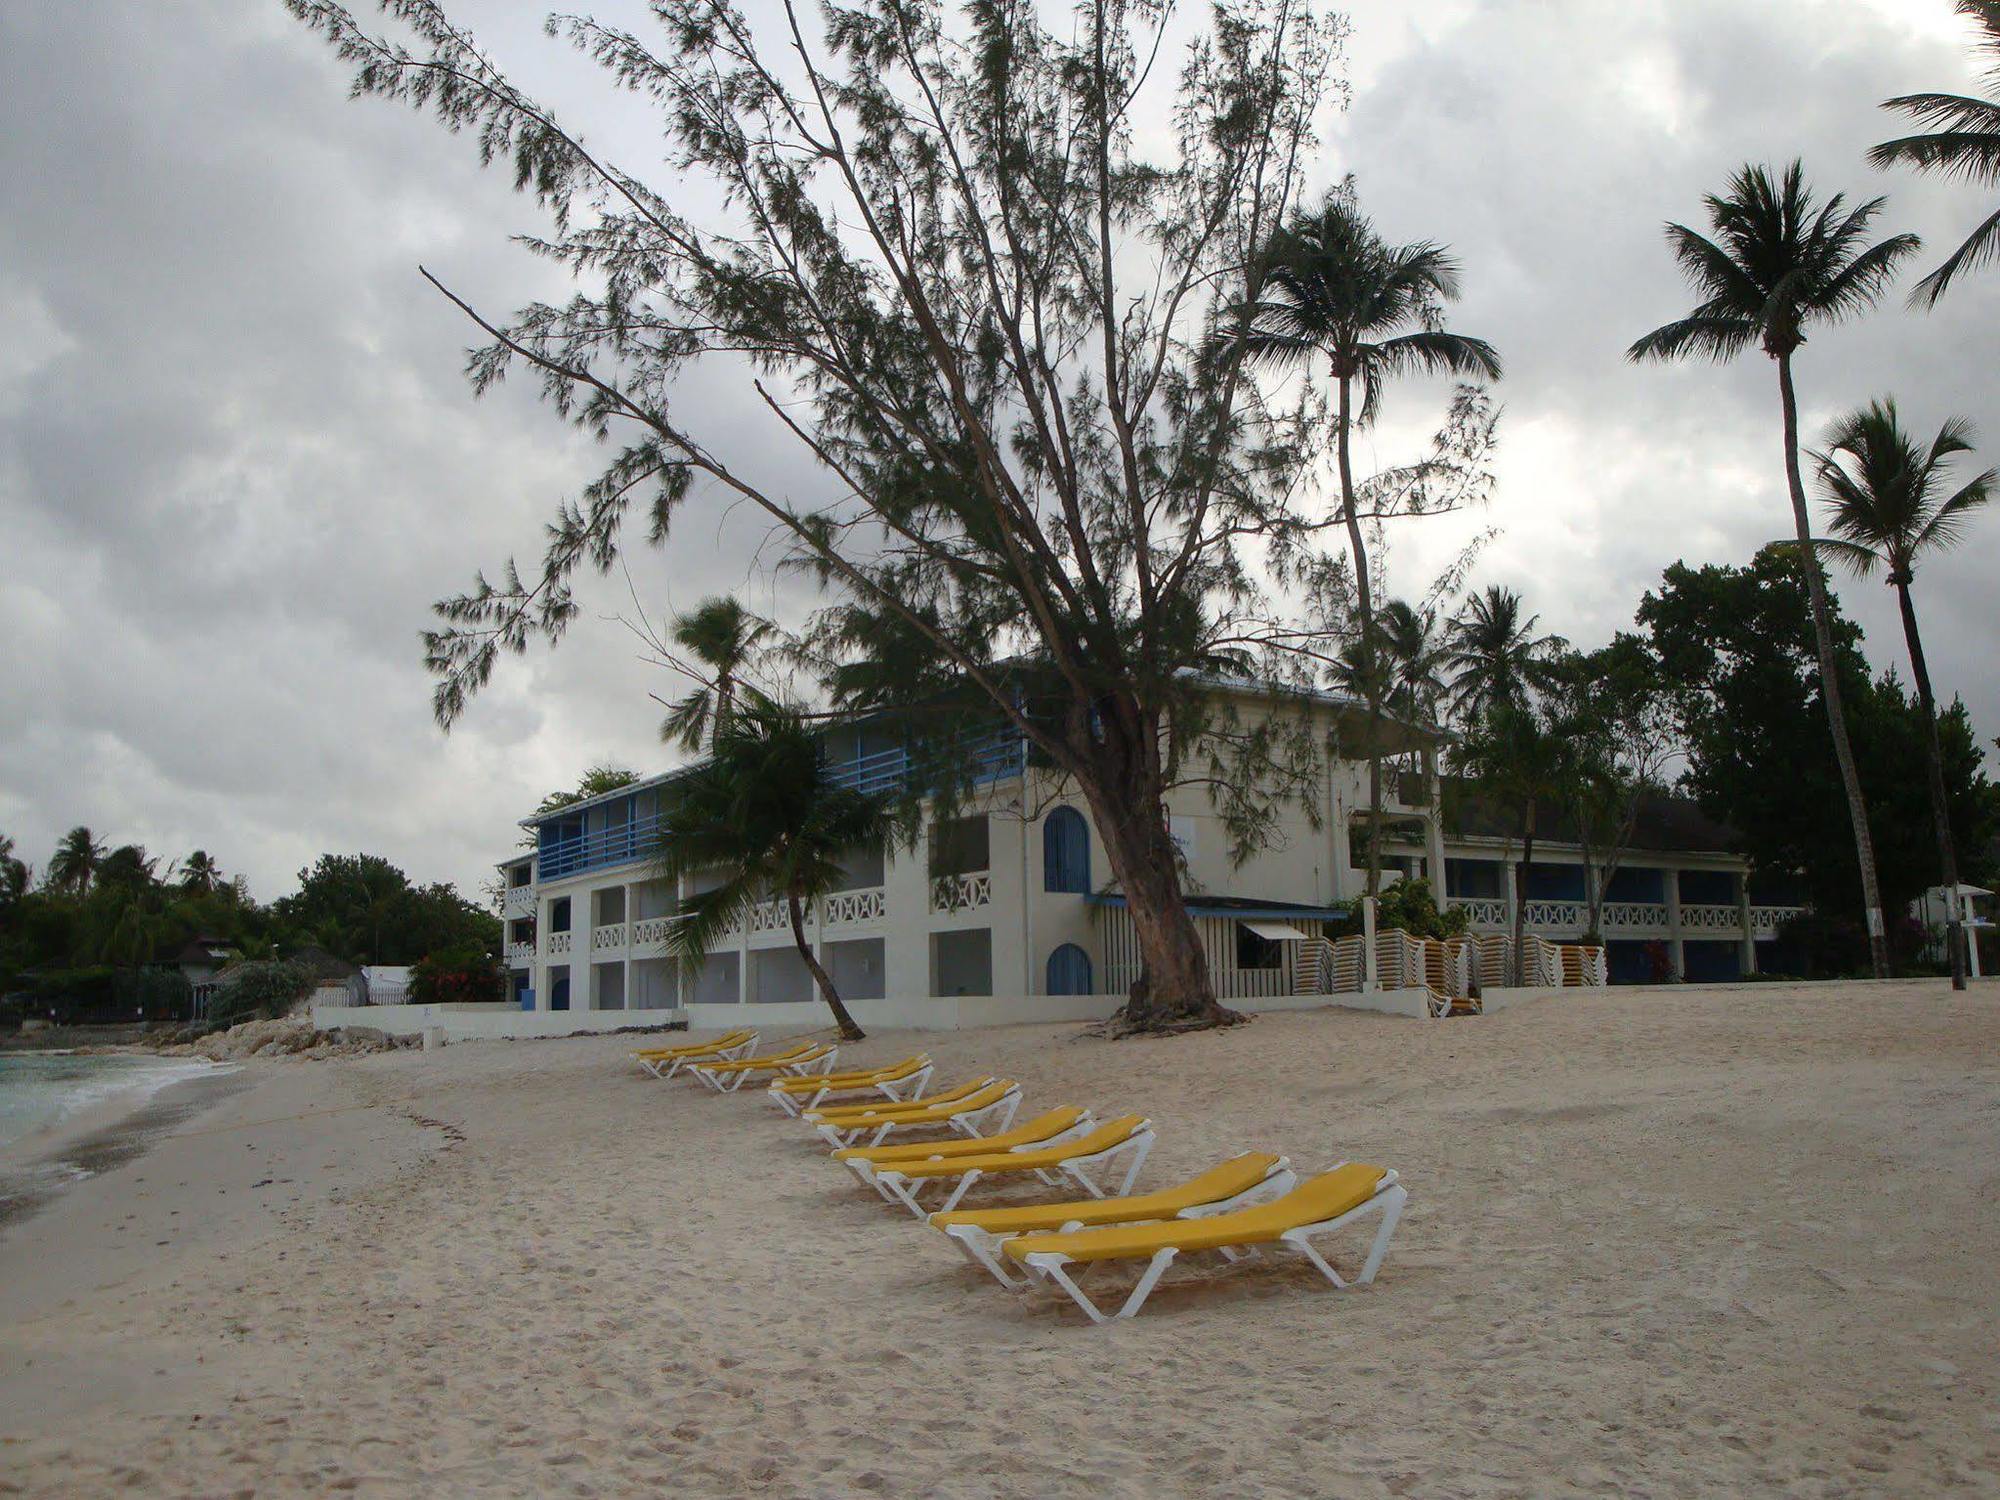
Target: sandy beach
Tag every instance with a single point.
(1700, 1243)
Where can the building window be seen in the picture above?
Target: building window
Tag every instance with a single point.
(1255, 951)
(1476, 879)
(1641, 884)
(559, 914)
(1066, 858)
(962, 962)
(1069, 971)
(959, 847)
(1708, 887)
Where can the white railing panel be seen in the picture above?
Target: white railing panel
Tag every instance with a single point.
(519, 901)
(1633, 916)
(955, 893)
(1711, 919)
(1771, 918)
(520, 955)
(855, 906)
(649, 931)
(612, 936)
(558, 943)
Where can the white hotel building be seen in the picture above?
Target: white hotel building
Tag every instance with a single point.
(1013, 899)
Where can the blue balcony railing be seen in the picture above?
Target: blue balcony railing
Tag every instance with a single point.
(636, 838)
(993, 756)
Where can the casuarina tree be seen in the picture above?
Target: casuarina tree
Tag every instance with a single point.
(972, 264)
(1781, 263)
(1887, 506)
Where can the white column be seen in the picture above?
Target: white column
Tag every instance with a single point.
(1434, 825)
(1676, 954)
(1368, 969)
(1971, 935)
(1743, 920)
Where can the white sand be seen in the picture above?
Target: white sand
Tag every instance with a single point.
(1721, 1243)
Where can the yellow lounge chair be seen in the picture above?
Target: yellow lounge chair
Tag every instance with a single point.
(664, 1062)
(728, 1077)
(1241, 1182)
(1318, 1206)
(865, 1108)
(899, 1083)
(991, 1106)
(1044, 1130)
(903, 1181)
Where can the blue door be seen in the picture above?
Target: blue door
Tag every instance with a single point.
(1069, 971)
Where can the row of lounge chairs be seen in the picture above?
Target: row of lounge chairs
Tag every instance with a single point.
(1236, 1209)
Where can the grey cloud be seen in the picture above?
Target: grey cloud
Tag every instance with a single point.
(238, 462)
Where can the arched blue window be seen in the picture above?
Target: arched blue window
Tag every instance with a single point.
(1066, 854)
(1069, 971)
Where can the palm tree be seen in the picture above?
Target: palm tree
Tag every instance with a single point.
(1333, 286)
(1780, 263)
(1887, 507)
(1518, 757)
(13, 873)
(1493, 654)
(75, 862)
(721, 635)
(765, 811)
(200, 874)
(1412, 643)
(1963, 141)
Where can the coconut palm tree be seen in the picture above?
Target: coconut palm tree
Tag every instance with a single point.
(764, 810)
(200, 874)
(1415, 650)
(1963, 141)
(1493, 655)
(1335, 287)
(1781, 263)
(75, 862)
(721, 635)
(1517, 755)
(1887, 506)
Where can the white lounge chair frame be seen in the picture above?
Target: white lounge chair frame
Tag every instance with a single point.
(980, 1121)
(866, 1171)
(1388, 1201)
(906, 1190)
(982, 1246)
(735, 1078)
(666, 1067)
(909, 1089)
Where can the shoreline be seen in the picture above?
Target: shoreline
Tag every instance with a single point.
(107, 1133)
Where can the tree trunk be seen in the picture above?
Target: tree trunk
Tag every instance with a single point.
(1940, 804)
(1829, 680)
(1174, 990)
(1521, 894)
(849, 1031)
(1365, 601)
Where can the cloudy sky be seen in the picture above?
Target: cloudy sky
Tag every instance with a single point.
(238, 462)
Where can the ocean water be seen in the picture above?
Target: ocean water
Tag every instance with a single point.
(40, 1089)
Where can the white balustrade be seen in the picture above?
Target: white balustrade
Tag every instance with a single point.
(519, 901)
(855, 906)
(1563, 914)
(650, 930)
(520, 955)
(1641, 916)
(1710, 919)
(1771, 918)
(954, 893)
(608, 937)
(770, 916)
(558, 943)
(1481, 911)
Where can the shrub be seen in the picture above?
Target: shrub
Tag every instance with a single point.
(1409, 905)
(259, 991)
(456, 976)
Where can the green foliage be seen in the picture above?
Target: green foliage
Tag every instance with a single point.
(1736, 647)
(260, 990)
(1410, 905)
(595, 782)
(463, 975)
(361, 908)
